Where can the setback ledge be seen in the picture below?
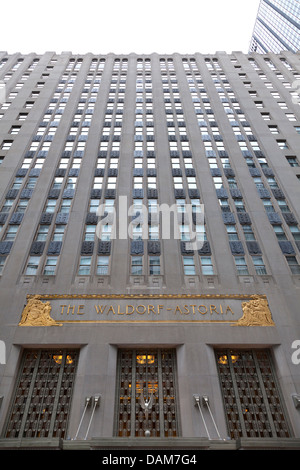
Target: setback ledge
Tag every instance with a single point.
(111, 444)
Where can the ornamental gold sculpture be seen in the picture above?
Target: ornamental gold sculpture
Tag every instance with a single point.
(256, 313)
(37, 313)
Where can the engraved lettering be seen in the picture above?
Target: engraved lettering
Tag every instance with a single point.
(100, 308)
(229, 309)
(158, 308)
(120, 313)
(213, 308)
(78, 310)
(127, 311)
(151, 308)
(143, 309)
(178, 310)
(200, 307)
(62, 309)
(111, 309)
(72, 308)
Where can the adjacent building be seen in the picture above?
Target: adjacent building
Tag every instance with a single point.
(149, 251)
(277, 27)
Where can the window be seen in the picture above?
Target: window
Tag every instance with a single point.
(189, 265)
(42, 233)
(293, 264)
(31, 182)
(7, 205)
(43, 394)
(90, 233)
(259, 265)
(154, 265)
(279, 232)
(17, 183)
(65, 206)
(232, 232)
(292, 161)
(32, 265)
(6, 144)
(251, 395)
(248, 232)
(282, 144)
(21, 207)
(58, 233)
(50, 205)
(57, 182)
(102, 265)
(11, 233)
(94, 204)
(50, 266)
(241, 265)
(98, 181)
(147, 376)
(295, 232)
(206, 265)
(84, 265)
(137, 265)
(239, 205)
(2, 263)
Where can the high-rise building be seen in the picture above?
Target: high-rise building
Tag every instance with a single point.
(277, 27)
(149, 251)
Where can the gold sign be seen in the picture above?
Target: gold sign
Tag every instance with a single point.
(57, 310)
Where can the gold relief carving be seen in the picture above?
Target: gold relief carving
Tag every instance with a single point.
(256, 313)
(255, 308)
(37, 313)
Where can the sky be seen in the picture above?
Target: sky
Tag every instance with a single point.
(122, 27)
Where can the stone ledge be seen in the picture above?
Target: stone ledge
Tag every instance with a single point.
(31, 444)
(129, 444)
(266, 443)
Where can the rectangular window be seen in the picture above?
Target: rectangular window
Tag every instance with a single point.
(11, 233)
(32, 265)
(65, 206)
(137, 265)
(189, 265)
(259, 265)
(84, 268)
(90, 231)
(241, 265)
(102, 265)
(43, 394)
(42, 233)
(147, 394)
(50, 206)
(50, 266)
(154, 265)
(248, 232)
(232, 232)
(58, 233)
(293, 264)
(206, 265)
(2, 263)
(251, 395)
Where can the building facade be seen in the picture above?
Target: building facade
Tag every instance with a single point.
(150, 265)
(277, 27)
